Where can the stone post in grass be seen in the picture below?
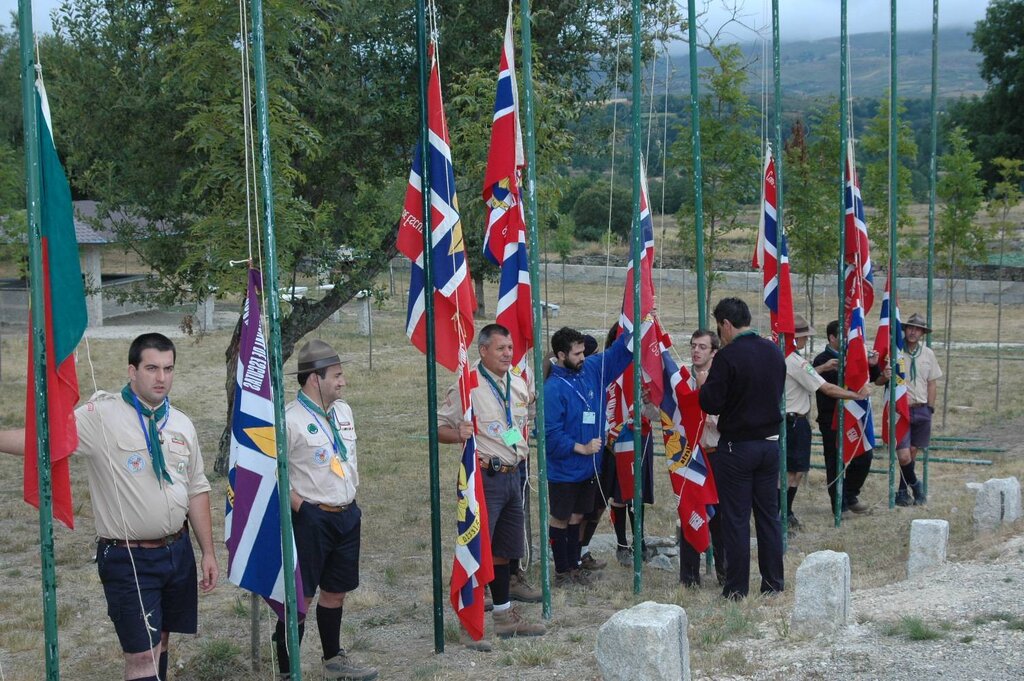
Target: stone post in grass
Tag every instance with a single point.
(822, 593)
(647, 641)
(928, 539)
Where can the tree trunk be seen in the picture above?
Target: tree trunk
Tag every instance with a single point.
(478, 286)
(305, 316)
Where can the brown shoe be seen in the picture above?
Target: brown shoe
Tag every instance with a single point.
(588, 562)
(509, 623)
(481, 646)
(582, 577)
(521, 590)
(859, 507)
(341, 667)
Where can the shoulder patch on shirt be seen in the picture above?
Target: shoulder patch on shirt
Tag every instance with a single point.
(811, 370)
(313, 430)
(320, 457)
(89, 406)
(135, 463)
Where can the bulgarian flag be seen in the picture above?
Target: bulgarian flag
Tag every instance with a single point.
(65, 322)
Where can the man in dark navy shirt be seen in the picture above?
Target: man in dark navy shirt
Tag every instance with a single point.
(744, 387)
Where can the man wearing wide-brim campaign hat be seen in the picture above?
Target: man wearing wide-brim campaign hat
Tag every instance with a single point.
(323, 476)
(922, 373)
(802, 381)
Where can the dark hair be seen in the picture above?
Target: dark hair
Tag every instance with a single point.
(489, 331)
(304, 376)
(613, 333)
(712, 337)
(564, 339)
(733, 310)
(589, 345)
(832, 329)
(149, 341)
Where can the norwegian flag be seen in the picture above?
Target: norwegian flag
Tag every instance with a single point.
(858, 428)
(693, 484)
(505, 241)
(652, 340)
(882, 348)
(772, 256)
(858, 251)
(454, 300)
(473, 567)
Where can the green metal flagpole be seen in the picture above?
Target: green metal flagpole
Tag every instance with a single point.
(637, 236)
(698, 173)
(844, 157)
(780, 226)
(428, 298)
(932, 175)
(893, 256)
(530, 194)
(33, 181)
(274, 312)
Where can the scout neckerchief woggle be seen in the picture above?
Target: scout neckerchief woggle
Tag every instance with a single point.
(340, 451)
(153, 432)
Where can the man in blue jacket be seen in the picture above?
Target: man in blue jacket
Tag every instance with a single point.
(574, 418)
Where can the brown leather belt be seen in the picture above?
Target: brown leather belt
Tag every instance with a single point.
(143, 543)
(334, 509)
(498, 469)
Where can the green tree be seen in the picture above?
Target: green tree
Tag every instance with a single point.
(594, 218)
(993, 122)
(875, 145)
(957, 236)
(729, 152)
(1006, 196)
(812, 212)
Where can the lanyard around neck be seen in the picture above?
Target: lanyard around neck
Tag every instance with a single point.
(505, 399)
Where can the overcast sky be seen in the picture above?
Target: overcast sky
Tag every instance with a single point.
(799, 19)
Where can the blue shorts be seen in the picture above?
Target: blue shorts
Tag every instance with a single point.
(798, 444)
(919, 435)
(328, 546)
(167, 587)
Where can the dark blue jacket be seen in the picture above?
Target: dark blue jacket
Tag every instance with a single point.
(567, 394)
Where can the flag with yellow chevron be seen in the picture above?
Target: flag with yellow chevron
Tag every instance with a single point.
(252, 521)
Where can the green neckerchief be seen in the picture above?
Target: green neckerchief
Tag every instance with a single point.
(748, 332)
(914, 354)
(314, 408)
(151, 432)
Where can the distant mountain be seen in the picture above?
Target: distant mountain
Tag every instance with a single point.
(810, 68)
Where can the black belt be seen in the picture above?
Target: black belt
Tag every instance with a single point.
(334, 509)
(143, 543)
(793, 416)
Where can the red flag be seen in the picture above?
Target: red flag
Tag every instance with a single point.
(473, 567)
(65, 322)
(454, 299)
(772, 254)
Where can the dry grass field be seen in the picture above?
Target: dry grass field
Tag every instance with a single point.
(388, 619)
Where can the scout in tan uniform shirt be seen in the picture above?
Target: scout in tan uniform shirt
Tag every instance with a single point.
(922, 373)
(145, 478)
(501, 404)
(323, 475)
(802, 381)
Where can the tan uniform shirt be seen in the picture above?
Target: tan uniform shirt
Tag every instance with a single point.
(491, 417)
(127, 499)
(310, 451)
(927, 370)
(802, 381)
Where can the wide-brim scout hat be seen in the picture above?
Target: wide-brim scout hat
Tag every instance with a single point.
(314, 355)
(920, 322)
(801, 329)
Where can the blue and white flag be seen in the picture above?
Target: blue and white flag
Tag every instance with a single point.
(252, 520)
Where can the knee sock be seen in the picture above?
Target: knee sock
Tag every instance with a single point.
(499, 587)
(619, 523)
(559, 550)
(909, 477)
(328, 621)
(790, 495)
(572, 545)
(513, 566)
(162, 675)
(281, 644)
(589, 528)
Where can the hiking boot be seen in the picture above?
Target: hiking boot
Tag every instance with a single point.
(858, 506)
(340, 667)
(563, 579)
(521, 590)
(481, 646)
(588, 562)
(624, 555)
(903, 498)
(582, 577)
(919, 496)
(646, 553)
(509, 623)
